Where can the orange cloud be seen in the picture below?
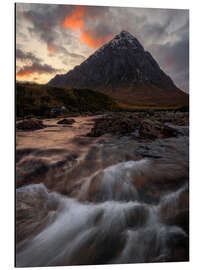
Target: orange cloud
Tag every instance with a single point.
(25, 73)
(75, 22)
(93, 42)
(51, 49)
(28, 70)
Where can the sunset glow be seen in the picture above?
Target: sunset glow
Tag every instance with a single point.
(92, 41)
(53, 39)
(25, 73)
(76, 20)
(51, 49)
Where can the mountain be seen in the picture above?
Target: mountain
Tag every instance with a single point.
(124, 70)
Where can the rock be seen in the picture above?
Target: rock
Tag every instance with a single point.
(30, 124)
(32, 208)
(143, 125)
(154, 129)
(31, 170)
(174, 209)
(66, 121)
(178, 243)
(119, 124)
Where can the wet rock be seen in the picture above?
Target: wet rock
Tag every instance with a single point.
(178, 244)
(154, 129)
(32, 209)
(137, 216)
(30, 124)
(149, 124)
(31, 170)
(174, 209)
(120, 124)
(66, 121)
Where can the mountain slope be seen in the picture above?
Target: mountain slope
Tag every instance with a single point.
(39, 99)
(120, 66)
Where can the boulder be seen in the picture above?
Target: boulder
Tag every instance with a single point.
(30, 124)
(66, 121)
(119, 124)
(175, 210)
(154, 129)
(31, 170)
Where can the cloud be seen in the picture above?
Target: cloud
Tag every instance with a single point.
(26, 56)
(44, 19)
(173, 57)
(36, 68)
(92, 40)
(60, 50)
(51, 49)
(65, 29)
(33, 65)
(47, 20)
(75, 20)
(80, 18)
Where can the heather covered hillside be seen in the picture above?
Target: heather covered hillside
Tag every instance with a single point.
(40, 99)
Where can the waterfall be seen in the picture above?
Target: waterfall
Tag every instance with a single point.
(106, 222)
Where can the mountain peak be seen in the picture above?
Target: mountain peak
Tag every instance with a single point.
(125, 34)
(122, 41)
(126, 39)
(122, 62)
(123, 69)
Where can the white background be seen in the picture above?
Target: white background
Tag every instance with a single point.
(7, 130)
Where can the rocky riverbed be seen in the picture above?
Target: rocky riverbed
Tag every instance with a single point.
(101, 189)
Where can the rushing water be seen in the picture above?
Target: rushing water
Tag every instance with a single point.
(127, 211)
(87, 233)
(119, 230)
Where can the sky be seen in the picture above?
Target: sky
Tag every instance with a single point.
(53, 39)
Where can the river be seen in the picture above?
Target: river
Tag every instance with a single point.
(83, 200)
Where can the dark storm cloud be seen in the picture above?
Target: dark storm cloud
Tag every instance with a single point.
(173, 57)
(44, 18)
(153, 32)
(163, 32)
(36, 65)
(95, 11)
(63, 51)
(37, 68)
(102, 30)
(24, 56)
(44, 21)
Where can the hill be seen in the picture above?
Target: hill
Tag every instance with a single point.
(40, 99)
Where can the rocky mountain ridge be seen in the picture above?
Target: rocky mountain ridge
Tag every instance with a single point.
(121, 62)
